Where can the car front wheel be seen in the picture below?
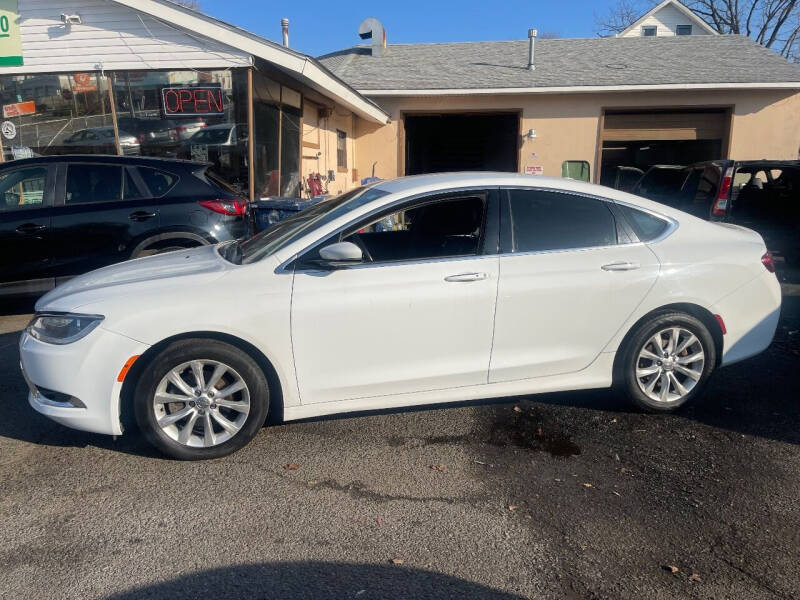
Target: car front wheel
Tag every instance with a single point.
(667, 362)
(200, 399)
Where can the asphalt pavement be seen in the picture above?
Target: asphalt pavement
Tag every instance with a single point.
(569, 495)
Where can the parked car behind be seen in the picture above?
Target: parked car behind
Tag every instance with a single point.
(157, 137)
(659, 182)
(62, 216)
(101, 139)
(761, 195)
(621, 177)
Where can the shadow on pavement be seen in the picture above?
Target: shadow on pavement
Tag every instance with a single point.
(316, 580)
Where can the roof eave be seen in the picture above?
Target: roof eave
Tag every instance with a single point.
(304, 67)
(584, 89)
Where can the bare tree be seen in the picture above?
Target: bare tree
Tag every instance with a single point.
(774, 24)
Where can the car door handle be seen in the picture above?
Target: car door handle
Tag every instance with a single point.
(141, 215)
(620, 266)
(29, 228)
(465, 277)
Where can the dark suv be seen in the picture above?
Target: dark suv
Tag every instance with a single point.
(763, 195)
(62, 216)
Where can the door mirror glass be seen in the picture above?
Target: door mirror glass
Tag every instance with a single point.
(341, 253)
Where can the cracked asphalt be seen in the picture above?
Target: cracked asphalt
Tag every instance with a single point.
(561, 496)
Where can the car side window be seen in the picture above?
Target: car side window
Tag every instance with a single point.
(541, 220)
(158, 182)
(22, 188)
(646, 226)
(90, 183)
(448, 227)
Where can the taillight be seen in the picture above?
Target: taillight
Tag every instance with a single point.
(231, 208)
(721, 203)
(768, 262)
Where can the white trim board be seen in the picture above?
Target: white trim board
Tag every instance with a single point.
(681, 7)
(586, 89)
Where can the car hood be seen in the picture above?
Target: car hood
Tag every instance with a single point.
(153, 272)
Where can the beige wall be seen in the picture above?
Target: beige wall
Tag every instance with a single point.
(765, 124)
(319, 144)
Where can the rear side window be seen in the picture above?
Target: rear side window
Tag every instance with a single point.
(158, 182)
(646, 226)
(88, 183)
(22, 188)
(543, 220)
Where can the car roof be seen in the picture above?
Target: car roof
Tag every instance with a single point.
(106, 158)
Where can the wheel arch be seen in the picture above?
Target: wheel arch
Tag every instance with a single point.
(275, 412)
(705, 316)
(172, 236)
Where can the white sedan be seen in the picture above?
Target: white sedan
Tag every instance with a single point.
(420, 290)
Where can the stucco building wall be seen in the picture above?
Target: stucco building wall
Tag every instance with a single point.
(764, 124)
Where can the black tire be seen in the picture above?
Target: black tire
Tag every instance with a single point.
(202, 349)
(630, 360)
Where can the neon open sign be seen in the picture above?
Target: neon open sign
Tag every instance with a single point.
(192, 101)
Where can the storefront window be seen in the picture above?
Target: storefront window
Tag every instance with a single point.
(56, 114)
(197, 115)
(276, 113)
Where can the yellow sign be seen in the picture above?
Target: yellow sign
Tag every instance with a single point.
(10, 39)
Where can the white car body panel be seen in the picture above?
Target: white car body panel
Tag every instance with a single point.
(370, 337)
(357, 332)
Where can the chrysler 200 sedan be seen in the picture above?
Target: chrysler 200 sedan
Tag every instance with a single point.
(415, 291)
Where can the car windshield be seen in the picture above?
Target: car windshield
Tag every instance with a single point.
(285, 232)
(659, 182)
(211, 136)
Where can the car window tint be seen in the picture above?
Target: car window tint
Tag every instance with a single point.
(646, 226)
(447, 228)
(158, 182)
(542, 220)
(131, 191)
(22, 188)
(93, 183)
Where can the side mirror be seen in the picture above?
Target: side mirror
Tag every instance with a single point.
(340, 254)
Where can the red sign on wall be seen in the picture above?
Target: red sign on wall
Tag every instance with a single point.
(192, 101)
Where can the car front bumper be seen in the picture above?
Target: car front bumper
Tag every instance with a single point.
(77, 384)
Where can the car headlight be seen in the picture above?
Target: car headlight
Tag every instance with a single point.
(62, 328)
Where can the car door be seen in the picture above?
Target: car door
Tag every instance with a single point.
(26, 195)
(102, 211)
(416, 315)
(570, 276)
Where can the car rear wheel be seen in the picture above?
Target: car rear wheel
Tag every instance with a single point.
(201, 399)
(667, 362)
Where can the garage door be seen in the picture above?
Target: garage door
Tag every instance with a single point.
(461, 142)
(632, 142)
(641, 126)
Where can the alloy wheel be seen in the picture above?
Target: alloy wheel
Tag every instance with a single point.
(670, 364)
(201, 403)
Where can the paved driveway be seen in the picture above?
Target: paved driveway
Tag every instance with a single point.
(568, 495)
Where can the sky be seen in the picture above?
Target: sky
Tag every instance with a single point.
(317, 27)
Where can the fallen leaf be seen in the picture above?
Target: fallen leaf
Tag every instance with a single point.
(613, 420)
(291, 467)
(695, 577)
(538, 432)
(616, 493)
(397, 561)
(512, 507)
(671, 568)
(528, 517)
(557, 479)
(517, 409)
(616, 457)
(587, 485)
(440, 468)
(379, 521)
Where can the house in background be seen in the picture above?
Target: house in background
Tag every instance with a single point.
(669, 18)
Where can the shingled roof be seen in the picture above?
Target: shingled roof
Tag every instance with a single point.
(701, 60)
